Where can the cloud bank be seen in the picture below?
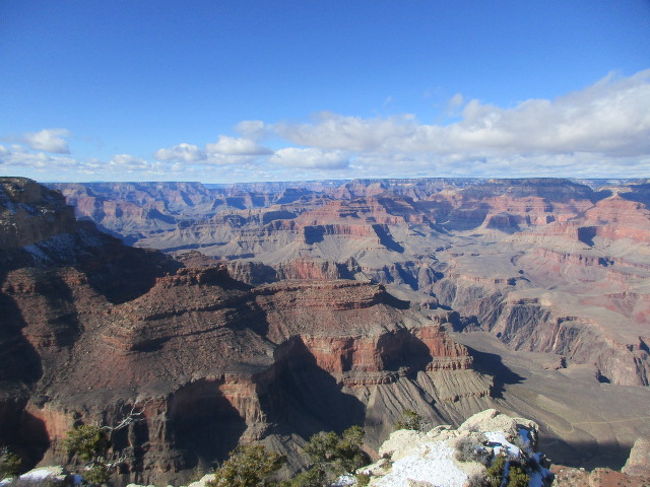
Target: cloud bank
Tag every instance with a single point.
(611, 117)
(310, 158)
(600, 131)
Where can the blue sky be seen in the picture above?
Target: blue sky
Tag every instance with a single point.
(243, 90)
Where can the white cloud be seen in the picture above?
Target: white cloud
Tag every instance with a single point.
(332, 131)
(48, 140)
(224, 159)
(600, 131)
(129, 163)
(236, 146)
(18, 156)
(252, 129)
(611, 117)
(227, 150)
(310, 158)
(180, 152)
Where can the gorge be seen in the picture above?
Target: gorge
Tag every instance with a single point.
(272, 311)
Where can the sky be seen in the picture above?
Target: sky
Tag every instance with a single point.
(241, 90)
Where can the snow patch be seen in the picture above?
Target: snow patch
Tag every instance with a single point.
(432, 462)
(541, 474)
(501, 444)
(39, 474)
(536, 479)
(344, 480)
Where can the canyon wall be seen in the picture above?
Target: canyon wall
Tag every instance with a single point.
(546, 265)
(192, 361)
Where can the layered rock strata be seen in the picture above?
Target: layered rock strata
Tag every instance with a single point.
(549, 265)
(192, 361)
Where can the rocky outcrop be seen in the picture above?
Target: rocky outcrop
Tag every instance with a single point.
(638, 463)
(30, 213)
(450, 457)
(599, 477)
(546, 265)
(203, 356)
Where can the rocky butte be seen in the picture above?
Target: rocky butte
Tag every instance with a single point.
(93, 331)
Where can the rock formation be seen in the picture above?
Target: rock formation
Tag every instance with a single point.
(449, 457)
(547, 265)
(638, 462)
(93, 331)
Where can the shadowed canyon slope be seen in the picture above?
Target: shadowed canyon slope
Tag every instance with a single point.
(93, 330)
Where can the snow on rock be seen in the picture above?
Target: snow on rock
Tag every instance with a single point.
(400, 443)
(203, 481)
(42, 473)
(500, 444)
(344, 481)
(412, 458)
(493, 420)
(379, 468)
(433, 462)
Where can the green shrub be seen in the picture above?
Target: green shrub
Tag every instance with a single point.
(10, 463)
(517, 476)
(98, 474)
(331, 455)
(362, 479)
(410, 420)
(248, 466)
(339, 454)
(349, 455)
(86, 441)
(494, 473)
(321, 447)
(315, 476)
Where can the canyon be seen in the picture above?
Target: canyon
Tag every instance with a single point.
(545, 265)
(271, 311)
(94, 331)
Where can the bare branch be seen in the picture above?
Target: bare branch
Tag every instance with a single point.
(132, 417)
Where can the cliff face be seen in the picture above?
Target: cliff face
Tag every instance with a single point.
(548, 265)
(94, 331)
(203, 357)
(31, 213)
